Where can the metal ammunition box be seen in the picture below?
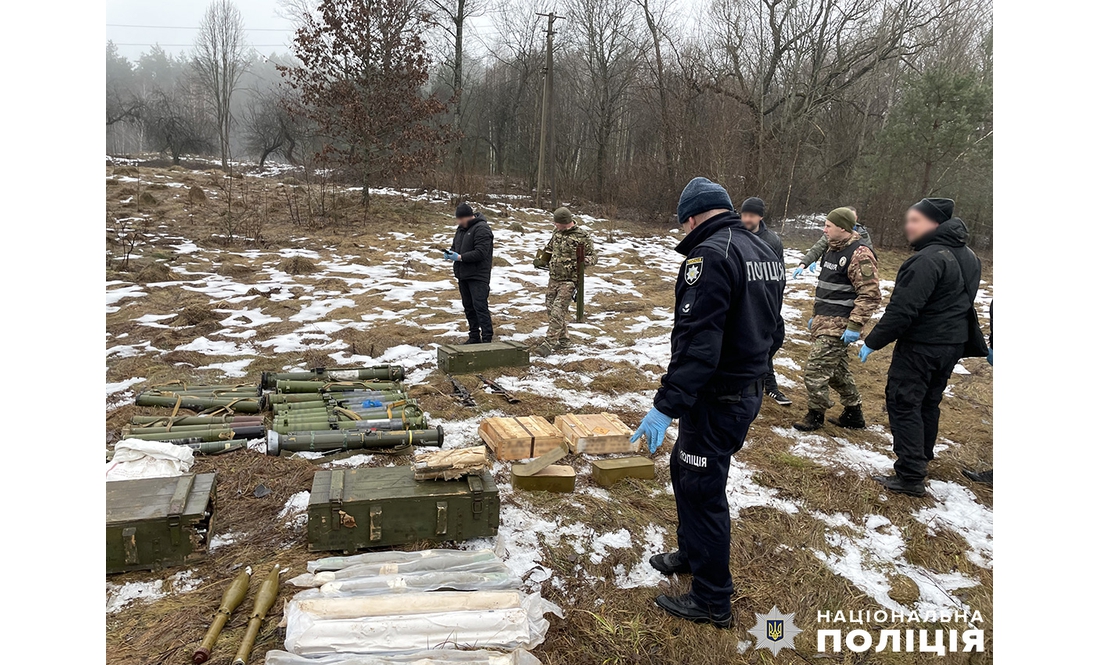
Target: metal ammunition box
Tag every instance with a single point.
(469, 358)
(158, 522)
(352, 509)
(554, 478)
(607, 472)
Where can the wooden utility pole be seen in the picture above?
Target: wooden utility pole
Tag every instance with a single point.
(546, 137)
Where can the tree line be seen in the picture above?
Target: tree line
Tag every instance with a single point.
(810, 104)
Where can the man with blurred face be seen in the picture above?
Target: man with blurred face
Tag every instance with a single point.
(472, 254)
(846, 298)
(930, 316)
(752, 216)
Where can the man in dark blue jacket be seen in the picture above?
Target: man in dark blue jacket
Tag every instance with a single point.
(472, 253)
(727, 324)
(929, 317)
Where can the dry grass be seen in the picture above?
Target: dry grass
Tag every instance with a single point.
(297, 265)
(772, 553)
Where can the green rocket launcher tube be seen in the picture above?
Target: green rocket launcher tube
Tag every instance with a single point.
(231, 599)
(333, 386)
(187, 421)
(216, 447)
(390, 425)
(381, 372)
(265, 598)
(199, 403)
(190, 430)
(182, 388)
(179, 438)
(346, 403)
(328, 440)
(307, 400)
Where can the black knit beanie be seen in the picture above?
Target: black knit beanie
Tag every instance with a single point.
(753, 204)
(937, 210)
(463, 210)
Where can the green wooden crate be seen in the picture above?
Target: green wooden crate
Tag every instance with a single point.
(154, 523)
(469, 358)
(353, 509)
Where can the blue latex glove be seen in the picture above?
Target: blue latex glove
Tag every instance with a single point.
(990, 356)
(865, 351)
(451, 256)
(812, 267)
(797, 272)
(372, 404)
(653, 427)
(810, 324)
(849, 336)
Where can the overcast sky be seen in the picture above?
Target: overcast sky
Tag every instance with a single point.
(180, 19)
(174, 24)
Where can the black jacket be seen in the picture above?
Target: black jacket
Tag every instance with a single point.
(727, 323)
(475, 244)
(770, 239)
(934, 293)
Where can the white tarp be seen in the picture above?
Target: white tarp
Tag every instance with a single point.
(135, 458)
(504, 620)
(435, 657)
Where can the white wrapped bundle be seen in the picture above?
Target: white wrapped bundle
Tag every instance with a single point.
(409, 622)
(486, 563)
(445, 558)
(435, 657)
(426, 581)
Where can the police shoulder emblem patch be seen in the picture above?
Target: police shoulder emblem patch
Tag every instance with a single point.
(843, 261)
(693, 270)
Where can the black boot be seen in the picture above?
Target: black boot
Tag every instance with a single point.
(814, 420)
(486, 340)
(685, 607)
(852, 418)
(472, 340)
(670, 563)
(895, 484)
(983, 477)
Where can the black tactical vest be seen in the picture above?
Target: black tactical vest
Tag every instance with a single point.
(835, 294)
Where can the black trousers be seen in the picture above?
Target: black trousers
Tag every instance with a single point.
(914, 388)
(769, 378)
(709, 436)
(475, 303)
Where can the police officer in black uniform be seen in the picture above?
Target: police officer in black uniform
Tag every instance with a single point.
(727, 324)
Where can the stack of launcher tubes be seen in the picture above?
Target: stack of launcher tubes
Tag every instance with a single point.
(321, 410)
(365, 408)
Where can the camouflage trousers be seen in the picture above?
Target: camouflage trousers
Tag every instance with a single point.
(828, 368)
(559, 298)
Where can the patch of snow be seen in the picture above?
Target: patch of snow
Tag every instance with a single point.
(216, 348)
(222, 539)
(113, 388)
(616, 539)
(119, 596)
(742, 492)
(643, 574)
(233, 369)
(958, 510)
(295, 510)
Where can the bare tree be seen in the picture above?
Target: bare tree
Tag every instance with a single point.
(221, 58)
(451, 16)
(610, 55)
(269, 126)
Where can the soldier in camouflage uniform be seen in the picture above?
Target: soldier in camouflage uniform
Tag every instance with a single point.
(847, 295)
(562, 264)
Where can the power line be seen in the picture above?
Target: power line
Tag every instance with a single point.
(190, 27)
(159, 44)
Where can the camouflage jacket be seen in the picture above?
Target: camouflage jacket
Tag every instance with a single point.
(563, 253)
(822, 244)
(863, 274)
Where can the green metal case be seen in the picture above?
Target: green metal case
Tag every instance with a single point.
(353, 509)
(154, 523)
(470, 358)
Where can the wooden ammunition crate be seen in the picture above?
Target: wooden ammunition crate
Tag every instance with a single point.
(154, 523)
(596, 434)
(519, 438)
(607, 472)
(352, 509)
(470, 358)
